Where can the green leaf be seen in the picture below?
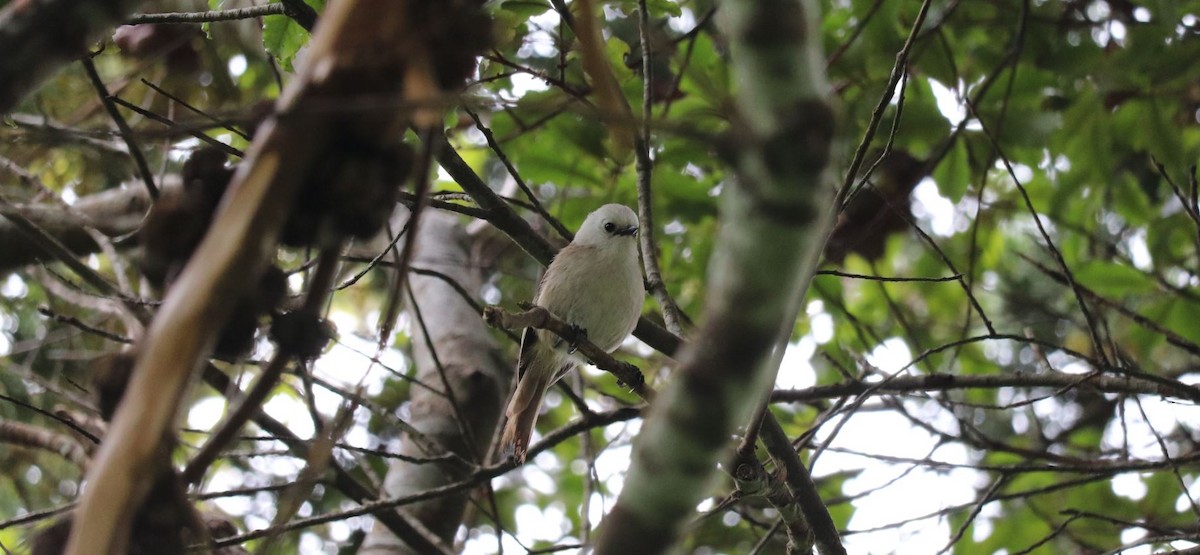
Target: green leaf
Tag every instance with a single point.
(1113, 280)
(953, 175)
(283, 37)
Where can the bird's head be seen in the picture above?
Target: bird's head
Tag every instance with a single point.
(611, 224)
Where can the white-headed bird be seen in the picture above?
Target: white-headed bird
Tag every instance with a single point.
(595, 284)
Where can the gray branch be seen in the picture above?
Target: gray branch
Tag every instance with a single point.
(773, 223)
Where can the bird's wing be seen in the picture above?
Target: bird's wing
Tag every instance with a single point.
(529, 339)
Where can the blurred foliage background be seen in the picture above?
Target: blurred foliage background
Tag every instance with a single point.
(1027, 174)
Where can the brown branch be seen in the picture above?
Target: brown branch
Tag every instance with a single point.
(540, 318)
(898, 70)
(751, 478)
(242, 237)
(79, 324)
(66, 421)
(512, 171)
(800, 483)
(194, 132)
(1170, 336)
(49, 249)
(477, 478)
(123, 129)
(673, 317)
(614, 109)
(399, 524)
(949, 382)
(1093, 327)
(27, 435)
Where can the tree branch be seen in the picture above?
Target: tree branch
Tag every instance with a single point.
(113, 213)
(542, 319)
(209, 16)
(241, 238)
(774, 221)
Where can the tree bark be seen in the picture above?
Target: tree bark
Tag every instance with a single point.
(451, 345)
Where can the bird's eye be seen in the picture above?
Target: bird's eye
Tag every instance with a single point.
(609, 227)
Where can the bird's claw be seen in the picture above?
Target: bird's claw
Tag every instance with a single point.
(578, 334)
(637, 379)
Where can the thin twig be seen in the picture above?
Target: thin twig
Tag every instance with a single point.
(225, 124)
(672, 316)
(209, 16)
(1092, 325)
(850, 275)
(881, 107)
(512, 171)
(318, 291)
(456, 409)
(122, 126)
(77, 323)
(195, 133)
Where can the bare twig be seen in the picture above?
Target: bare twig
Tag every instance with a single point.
(672, 315)
(512, 171)
(209, 16)
(195, 133)
(122, 126)
(884, 100)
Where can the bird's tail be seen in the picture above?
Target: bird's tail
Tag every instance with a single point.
(522, 414)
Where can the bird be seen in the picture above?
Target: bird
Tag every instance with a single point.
(595, 285)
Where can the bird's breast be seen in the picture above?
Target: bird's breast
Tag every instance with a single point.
(603, 293)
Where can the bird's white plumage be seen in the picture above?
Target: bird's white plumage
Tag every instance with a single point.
(594, 283)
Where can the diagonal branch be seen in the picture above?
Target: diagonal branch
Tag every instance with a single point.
(542, 319)
(774, 220)
(123, 128)
(242, 237)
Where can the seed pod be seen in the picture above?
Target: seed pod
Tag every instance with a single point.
(110, 376)
(302, 333)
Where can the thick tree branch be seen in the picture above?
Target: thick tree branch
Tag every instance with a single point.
(113, 213)
(28, 435)
(210, 16)
(349, 47)
(774, 221)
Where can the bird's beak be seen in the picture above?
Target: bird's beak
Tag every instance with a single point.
(629, 231)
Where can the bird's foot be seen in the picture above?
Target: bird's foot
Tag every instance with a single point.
(578, 334)
(632, 377)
